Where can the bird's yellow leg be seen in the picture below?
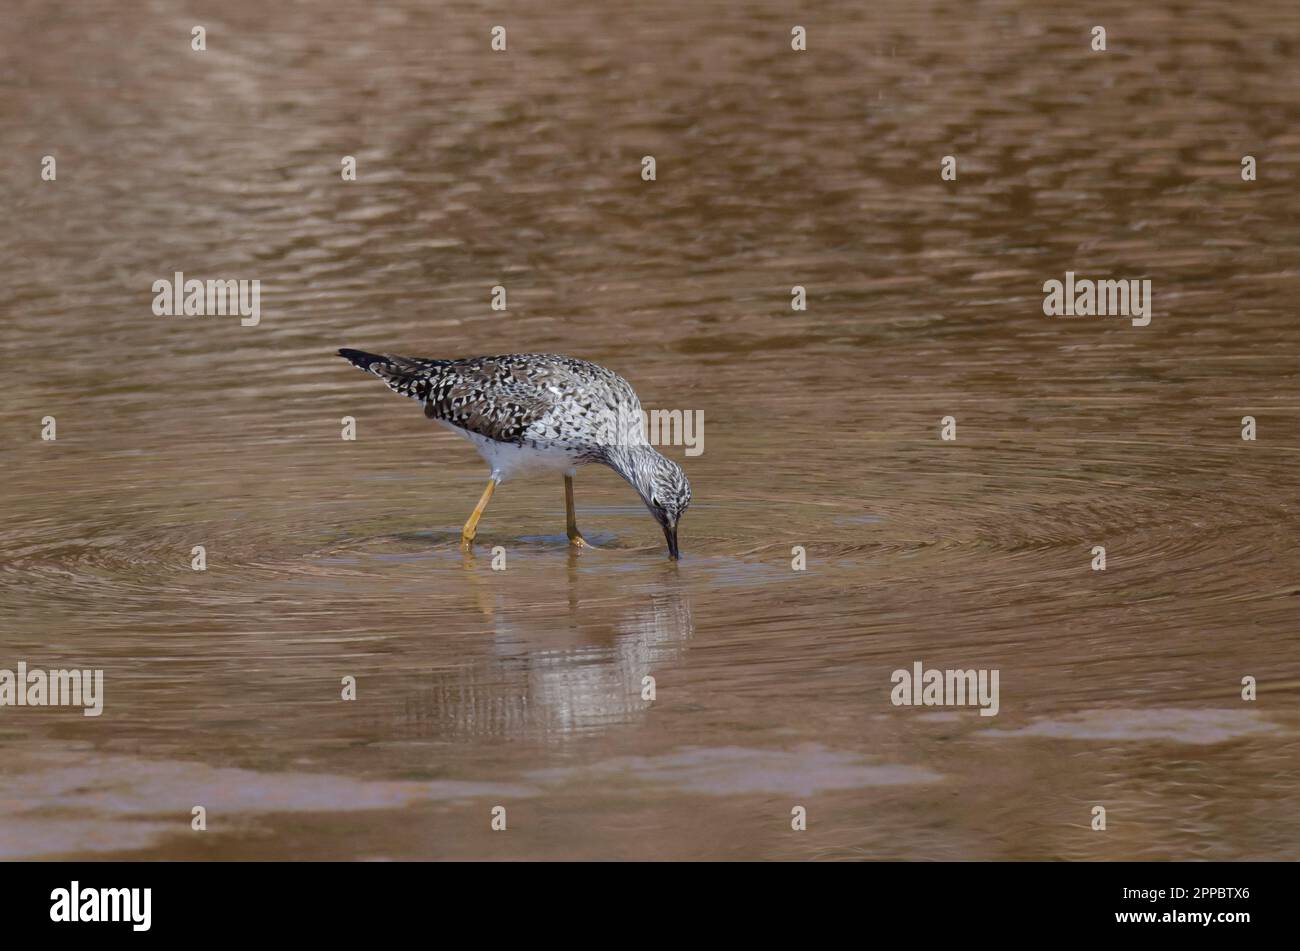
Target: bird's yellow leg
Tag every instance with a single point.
(471, 526)
(571, 517)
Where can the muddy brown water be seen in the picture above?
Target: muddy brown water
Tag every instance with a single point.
(523, 688)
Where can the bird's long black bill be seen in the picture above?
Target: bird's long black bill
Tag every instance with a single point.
(670, 533)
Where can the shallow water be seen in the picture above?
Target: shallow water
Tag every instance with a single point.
(476, 688)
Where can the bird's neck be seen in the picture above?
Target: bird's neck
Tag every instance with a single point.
(634, 463)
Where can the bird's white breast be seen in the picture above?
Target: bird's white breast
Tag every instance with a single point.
(508, 460)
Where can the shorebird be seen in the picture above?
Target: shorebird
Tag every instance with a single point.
(540, 411)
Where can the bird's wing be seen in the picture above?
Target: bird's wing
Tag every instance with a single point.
(489, 400)
(497, 397)
(409, 376)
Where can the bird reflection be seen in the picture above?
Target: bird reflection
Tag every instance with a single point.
(562, 666)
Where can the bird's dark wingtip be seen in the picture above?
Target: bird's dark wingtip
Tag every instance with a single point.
(359, 358)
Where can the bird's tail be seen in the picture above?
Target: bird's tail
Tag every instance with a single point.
(410, 376)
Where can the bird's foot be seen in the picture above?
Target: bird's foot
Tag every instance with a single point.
(577, 541)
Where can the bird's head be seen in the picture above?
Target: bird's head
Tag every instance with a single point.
(662, 485)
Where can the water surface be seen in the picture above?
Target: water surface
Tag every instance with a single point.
(476, 688)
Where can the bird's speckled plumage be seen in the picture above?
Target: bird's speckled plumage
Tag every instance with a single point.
(540, 410)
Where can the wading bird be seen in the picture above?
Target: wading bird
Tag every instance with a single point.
(540, 411)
